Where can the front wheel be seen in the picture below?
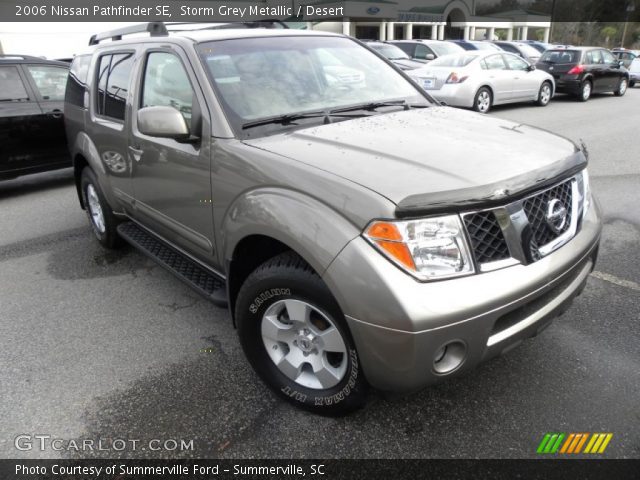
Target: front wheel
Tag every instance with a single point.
(295, 337)
(101, 217)
(544, 95)
(622, 87)
(632, 83)
(482, 101)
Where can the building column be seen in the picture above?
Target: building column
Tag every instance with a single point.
(391, 34)
(466, 32)
(525, 33)
(346, 26)
(408, 31)
(382, 32)
(546, 35)
(434, 32)
(441, 32)
(510, 34)
(472, 33)
(491, 33)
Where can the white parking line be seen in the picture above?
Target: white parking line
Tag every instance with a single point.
(617, 281)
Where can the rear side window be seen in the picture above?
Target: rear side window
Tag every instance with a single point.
(51, 82)
(77, 82)
(166, 84)
(114, 72)
(12, 87)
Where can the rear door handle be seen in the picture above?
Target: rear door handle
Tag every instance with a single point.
(136, 153)
(55, 113)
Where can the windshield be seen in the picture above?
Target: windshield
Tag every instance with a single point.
(445, 48)
(390, 51)
(453, 60)
(529, 50)
(262, 78)
(560, 56)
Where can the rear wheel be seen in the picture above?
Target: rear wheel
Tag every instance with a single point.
(622, 87)
(101, 217)
(544, 95)
(295, 337)
(585, 91)
(483, 100)
(632, 83)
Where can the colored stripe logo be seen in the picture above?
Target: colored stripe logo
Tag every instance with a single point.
(572, 443)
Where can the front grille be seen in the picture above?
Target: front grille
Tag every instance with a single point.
(536, 209)
(543, 223)
(487, 241)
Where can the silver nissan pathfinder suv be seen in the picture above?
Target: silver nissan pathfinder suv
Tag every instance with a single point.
(359, 232)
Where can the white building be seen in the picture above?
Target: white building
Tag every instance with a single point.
(436, 19)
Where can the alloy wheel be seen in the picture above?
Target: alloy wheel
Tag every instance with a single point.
(95, 209)
(304, 344)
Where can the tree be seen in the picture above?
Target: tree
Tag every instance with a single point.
(608, 32)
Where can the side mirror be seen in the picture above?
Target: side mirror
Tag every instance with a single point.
(163, 122)
(429, 56)
(620, 63)
(531, 68)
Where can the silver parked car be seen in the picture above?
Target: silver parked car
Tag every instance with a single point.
(481, 79)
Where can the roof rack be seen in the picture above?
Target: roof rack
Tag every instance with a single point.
(156, 29)
(159, 29)
(13, 56)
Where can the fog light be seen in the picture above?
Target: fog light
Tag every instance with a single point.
(449, 357)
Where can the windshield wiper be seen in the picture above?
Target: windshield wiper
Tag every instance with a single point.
(290, 118)
(375, 105)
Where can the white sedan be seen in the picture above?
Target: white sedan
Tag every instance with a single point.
(483, 78)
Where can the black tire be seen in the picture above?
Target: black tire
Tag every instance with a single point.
(623, 84)
(107, 235)
(585, 91)
(632, 83)
(483, 100)
(544, 94)
(288, 277)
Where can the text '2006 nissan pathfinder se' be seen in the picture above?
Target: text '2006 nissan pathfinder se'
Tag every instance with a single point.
(360, 233)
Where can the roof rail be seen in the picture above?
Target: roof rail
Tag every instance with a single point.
(267, 23)
(156, 29)
(13, 56)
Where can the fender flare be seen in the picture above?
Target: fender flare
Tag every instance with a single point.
(308, 226)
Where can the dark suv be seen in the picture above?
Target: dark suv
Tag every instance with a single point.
(32, 137)
(581, 71)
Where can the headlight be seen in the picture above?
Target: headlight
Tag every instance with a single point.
(430, 248)
(585, 191)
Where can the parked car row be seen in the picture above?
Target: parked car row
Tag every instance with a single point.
(480, 79)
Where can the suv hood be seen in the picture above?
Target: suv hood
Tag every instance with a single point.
(431, 159)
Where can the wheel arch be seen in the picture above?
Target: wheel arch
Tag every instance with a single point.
(266, 222)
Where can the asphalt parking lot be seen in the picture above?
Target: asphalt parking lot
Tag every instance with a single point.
(96, 344)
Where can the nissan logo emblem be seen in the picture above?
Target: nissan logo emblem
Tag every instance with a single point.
(373, 10)
(556, 215)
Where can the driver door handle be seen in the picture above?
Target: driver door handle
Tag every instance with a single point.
(136, 153)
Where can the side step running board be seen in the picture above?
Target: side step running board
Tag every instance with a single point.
(199, 278)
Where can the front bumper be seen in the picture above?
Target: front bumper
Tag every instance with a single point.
(400, 325)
